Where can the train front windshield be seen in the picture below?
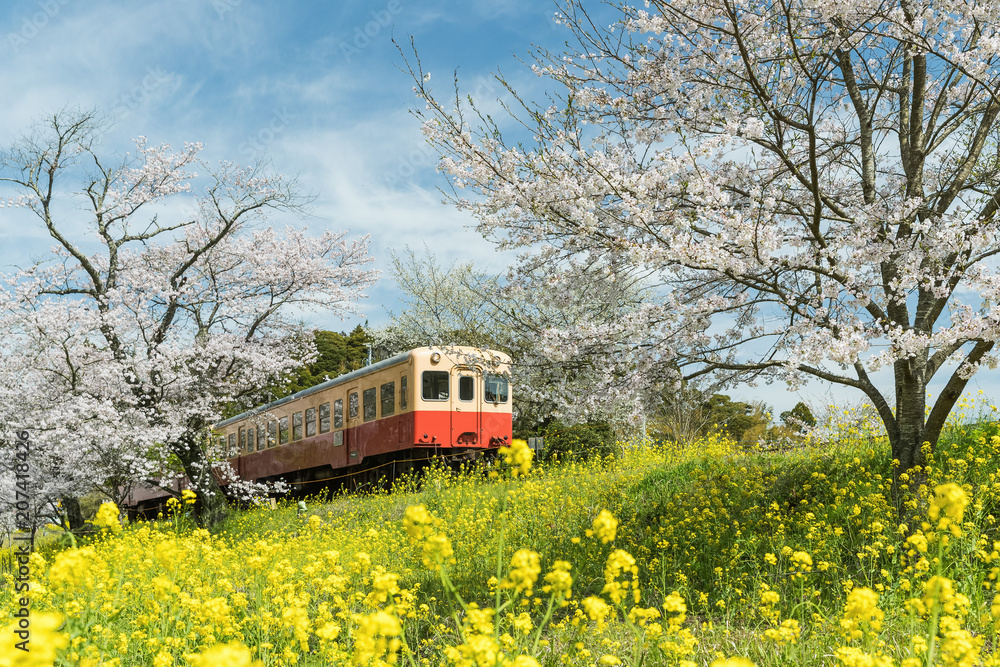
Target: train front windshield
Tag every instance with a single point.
(496, 388)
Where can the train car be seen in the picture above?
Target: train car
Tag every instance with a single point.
(379, 421)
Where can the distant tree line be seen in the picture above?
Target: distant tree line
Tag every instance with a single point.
(336, 354)
(691, 416)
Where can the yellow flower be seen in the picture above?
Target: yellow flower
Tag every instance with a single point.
(596, 609)
(479, 620)
(674, 604)
(189, 497)
(525, 661)
(376, 637)
(233, 654)
(383, 586)
(918, 541)
(107, 517)
(605, 526)
(941, 591)
(732, 662)
(478, 650)
(641, 617)
(949, 500)
(786, 633)
(420, 528)
(619, 561)
(296, 619)
(417, 522)
(861, 608)
(802, 561)
(958, 646)
(35, 645)
(437, 551)
(524, 571)
(72, 567)
(523, 623)
(518, 456)
(328, 631)
(559, 580)
(853, 657)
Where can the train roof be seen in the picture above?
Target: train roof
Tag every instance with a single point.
(346, 377)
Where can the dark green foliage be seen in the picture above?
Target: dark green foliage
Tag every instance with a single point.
(339, 353)
(685, 414)
(734, 418)
(799, 417)
(579, 441)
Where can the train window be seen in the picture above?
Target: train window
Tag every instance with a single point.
(402, 393)
(324, 418)
(311, 422)
(338, 438)
(296, 426)
(243, 440)
(466, 388)
(368, 399)
(388, 391)
(260, 437)
(496, 388)
(283, 430)
(435, 385)
(251, 440)
(352, 406)
(272, 434)
(338, 412)
(232, 444)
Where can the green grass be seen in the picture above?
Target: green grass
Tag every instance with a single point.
(712, 523)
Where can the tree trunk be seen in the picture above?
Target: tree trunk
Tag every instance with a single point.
(910, 417)
(210, 509)
(74, 515)
(908, 438)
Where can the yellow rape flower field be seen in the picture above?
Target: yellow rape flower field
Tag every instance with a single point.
(706, 554)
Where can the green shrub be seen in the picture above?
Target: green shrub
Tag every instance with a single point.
(579, 441)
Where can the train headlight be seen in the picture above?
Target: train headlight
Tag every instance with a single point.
(436, 357)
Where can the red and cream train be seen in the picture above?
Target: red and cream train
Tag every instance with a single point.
(427, 402)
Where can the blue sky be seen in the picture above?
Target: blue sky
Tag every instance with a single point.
(316, 87)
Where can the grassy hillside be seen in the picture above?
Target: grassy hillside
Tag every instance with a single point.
(685, 556)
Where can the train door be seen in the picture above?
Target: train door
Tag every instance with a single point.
(353, 421)
(466, 407)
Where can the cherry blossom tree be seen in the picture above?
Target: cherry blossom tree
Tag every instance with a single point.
(460, 305)
(812, 187)
(167, 300)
